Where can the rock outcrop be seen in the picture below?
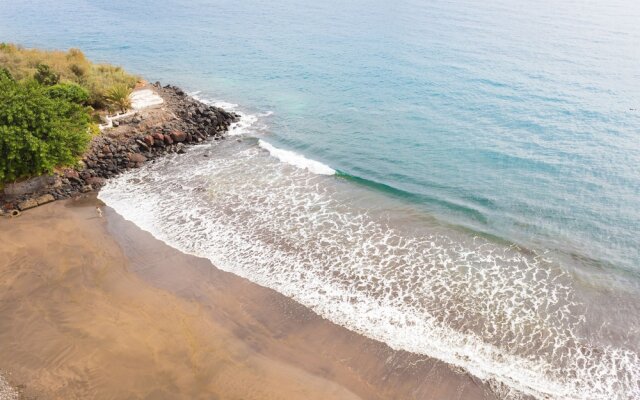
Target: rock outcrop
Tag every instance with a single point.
(144, 136)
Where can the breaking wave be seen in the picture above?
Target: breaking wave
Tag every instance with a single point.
(247, 123)
(505, 314)
(297, 160)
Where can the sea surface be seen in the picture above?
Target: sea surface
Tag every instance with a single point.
(456, 179)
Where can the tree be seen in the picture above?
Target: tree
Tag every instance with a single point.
(40, 128)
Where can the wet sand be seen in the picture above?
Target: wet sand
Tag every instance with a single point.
(97, 308)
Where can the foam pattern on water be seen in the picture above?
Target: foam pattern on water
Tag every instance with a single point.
(247, 123)
(297, 160)
(504, 314)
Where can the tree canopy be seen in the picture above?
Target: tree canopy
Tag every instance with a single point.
(41, 127)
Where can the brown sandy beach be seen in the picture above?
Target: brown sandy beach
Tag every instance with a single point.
(96, 308)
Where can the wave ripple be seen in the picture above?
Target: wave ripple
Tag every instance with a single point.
(504, 314)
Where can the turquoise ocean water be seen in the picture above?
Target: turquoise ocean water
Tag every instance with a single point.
(512, 123)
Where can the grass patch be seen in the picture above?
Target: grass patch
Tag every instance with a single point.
(53, 66)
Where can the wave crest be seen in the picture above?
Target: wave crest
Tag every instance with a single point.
(297, 160)
(505, 315)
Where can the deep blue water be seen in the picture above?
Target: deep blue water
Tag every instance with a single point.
(516, 120)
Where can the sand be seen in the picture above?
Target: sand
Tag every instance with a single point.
(7, 392)
(96, 308)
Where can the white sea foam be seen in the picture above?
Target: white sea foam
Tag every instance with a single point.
(244, 125)
(297, 160)
(248, 123)
(504, 315)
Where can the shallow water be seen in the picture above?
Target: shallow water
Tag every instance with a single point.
(456, 179)
(378, 266)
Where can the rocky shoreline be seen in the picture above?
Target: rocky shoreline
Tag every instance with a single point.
(146, 135)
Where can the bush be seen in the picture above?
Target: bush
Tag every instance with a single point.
(5, 74)
(69, 67)
(102, 80)
(40, 128)
(45, 76)
(78, 70)
(69, 92)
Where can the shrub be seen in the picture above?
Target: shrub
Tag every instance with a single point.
(102, 80)
(78, 70)
(45, 76)
(118, 98)
(71, 67)
(69, 92)
(5, 74)
(40, 128)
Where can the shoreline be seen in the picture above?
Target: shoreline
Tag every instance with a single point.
(163, 120)
(264, 344)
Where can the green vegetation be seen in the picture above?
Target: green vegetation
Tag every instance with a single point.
(39, 127)
(45, 76)
(51, 67)
(118, 98)
(70, 92)
(48, 100)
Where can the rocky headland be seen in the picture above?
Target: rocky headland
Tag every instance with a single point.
(137, 138)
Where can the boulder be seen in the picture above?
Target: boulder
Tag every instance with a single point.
(137, 158)
(56, 182)
(142, 145)
(29, 186)
(178, 136)
(71, 174)
(87, 173)
(158, 139)
(27, 204)
(95, 181)
(44, 199)
(168, 140)
(148, 140)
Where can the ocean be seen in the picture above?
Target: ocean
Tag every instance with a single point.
(456, 179)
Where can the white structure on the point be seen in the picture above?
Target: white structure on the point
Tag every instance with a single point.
(140, 99)
(144, 98)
